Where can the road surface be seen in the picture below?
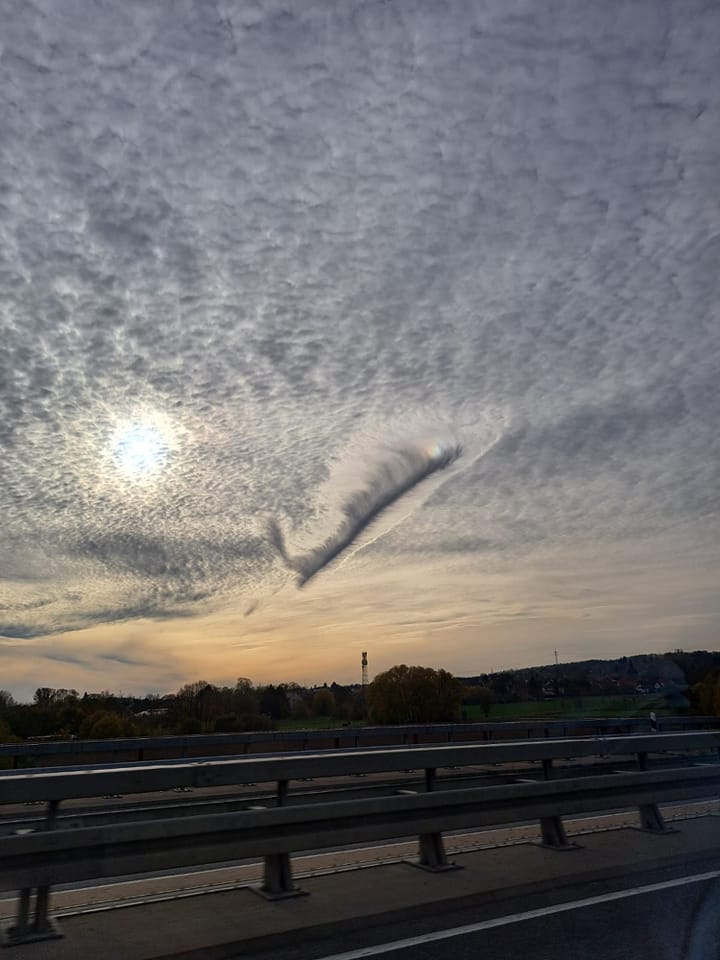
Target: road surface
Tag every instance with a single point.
(676, 918)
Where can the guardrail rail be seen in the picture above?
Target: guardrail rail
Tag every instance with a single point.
(155, 748)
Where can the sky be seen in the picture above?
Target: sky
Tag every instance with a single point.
(261, 261)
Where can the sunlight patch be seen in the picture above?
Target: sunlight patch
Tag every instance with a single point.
(140, 449)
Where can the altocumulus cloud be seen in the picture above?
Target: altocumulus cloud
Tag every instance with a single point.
(246, 239)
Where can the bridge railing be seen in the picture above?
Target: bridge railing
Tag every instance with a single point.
(36, 860)
(146, 748)
(58, 783)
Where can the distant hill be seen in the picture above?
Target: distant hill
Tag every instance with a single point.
(662, 673)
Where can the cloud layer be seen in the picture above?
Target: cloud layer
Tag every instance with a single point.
(271, 236)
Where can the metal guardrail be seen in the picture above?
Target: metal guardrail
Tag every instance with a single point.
(102, 852)
(57, 784)
(344, 737)
(36, 860)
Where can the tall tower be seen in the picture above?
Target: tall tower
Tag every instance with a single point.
(364, 676)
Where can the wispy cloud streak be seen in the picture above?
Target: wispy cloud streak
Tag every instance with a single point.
(397, 474)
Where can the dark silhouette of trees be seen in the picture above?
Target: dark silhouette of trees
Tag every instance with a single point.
(104, 725)
(705, 695)
(7, 701)
(480, 696)
(695, 664)
(204, 707)
(232, 723)
(405, 694)
(53, 696)
(323, 703)
(274, 701)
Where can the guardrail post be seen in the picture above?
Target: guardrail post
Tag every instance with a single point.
(277, 870)
(22, 931)
(277, 879)
(651, 819)
(642, 759)
(547, 765)
(43, 923)
(42, 927)
(42, 899)
(432, 854)
(552, 832)
(432, 847)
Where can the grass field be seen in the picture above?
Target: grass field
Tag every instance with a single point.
(563, 708)
(569, 707)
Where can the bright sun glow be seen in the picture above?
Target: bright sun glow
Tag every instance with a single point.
(139, 449)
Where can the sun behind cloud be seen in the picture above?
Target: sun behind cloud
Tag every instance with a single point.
(140, 446)
(139, 449)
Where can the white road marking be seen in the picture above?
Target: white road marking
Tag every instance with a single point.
(520, 917)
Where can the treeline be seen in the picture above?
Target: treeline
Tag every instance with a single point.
(402, 694)
(198, 707)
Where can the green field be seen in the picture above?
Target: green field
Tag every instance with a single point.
(563, 708)
(571, 707)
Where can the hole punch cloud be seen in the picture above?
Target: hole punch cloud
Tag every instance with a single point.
(393, 476)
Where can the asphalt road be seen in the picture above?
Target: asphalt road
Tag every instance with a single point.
(676, 917)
